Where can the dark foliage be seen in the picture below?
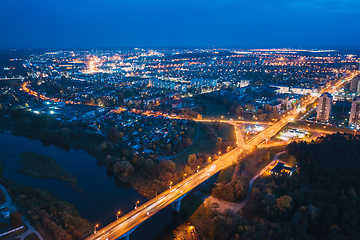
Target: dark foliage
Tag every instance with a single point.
(320, 201)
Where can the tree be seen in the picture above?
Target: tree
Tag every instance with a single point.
(218, 228)
(151, 167)
(168, 148)
(309, 107)
(262, 116)
(104, 145)
(188, 142)
(65, 133)
(250, 107)
(108, 160)
(254, 148)
(267, 156)
(167, 165)
(124, 168)
(292, 161)
(192, 158)
(267, 108)
(283, 203)
(15, 219)
(113, 134)
(187, 170)
(275, 111)
(218, 142)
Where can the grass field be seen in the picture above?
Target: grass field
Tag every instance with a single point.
(226, 174)
(202, 144)
(214, 110)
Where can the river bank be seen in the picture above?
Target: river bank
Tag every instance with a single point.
(76, 136)
(103, 193)
(51, 217)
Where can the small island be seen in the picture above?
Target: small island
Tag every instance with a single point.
(39, 166)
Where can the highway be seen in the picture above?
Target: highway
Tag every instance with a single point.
(132, 219)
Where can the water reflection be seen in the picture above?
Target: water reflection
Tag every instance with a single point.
(103, 193)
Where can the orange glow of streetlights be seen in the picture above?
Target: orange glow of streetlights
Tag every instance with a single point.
(136, 204)
(117, 215)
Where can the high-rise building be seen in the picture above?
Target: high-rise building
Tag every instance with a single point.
(324, 107)
(354, 84)
(354, 119)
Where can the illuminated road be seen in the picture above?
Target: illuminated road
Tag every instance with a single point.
(137, 216)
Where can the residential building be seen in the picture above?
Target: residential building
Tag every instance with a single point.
(324, 107)
(354, 84)
(178, 104)
(354, 119)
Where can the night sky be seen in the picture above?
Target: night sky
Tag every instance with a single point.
(186, 23)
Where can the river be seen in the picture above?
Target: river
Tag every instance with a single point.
(104, 195)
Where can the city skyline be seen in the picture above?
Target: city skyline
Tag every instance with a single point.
(167, 120)
(315, 24)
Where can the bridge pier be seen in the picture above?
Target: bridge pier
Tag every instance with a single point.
(126, 236)
(176, 204)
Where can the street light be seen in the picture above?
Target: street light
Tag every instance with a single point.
(136, 204)
(117, 215)
(184, 176)
(198, 167)
(95, 228)
(170, 184)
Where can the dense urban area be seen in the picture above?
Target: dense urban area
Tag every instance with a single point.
(239, 143)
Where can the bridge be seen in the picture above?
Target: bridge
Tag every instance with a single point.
(124, 226)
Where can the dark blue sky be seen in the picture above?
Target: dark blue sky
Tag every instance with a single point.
(189, 23)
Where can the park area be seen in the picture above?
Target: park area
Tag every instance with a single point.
(207, 141)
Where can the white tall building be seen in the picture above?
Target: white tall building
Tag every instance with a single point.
(354, 119)
(324, 107)
(354, 84)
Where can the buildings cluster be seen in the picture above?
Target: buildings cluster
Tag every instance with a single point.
(345, 104)
(147, 78)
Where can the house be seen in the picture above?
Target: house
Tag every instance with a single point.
(281, 170)
(137, 146)
(148, 151)
(178, 104)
